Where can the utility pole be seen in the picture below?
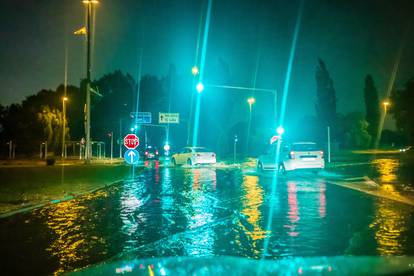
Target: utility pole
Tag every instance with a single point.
(120, 138)
(329, 144)
(88, 152)
(64, 99)
(234, 148)
(112, 145)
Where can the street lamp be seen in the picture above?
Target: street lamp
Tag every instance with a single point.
(64, 100)
(200, 87)
(88, 151)
(280, 130)
(251, 101)
(194, 70)
(385, 104)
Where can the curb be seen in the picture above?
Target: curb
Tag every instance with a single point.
(55, 201)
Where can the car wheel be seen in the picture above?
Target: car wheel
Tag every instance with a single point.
(282, 169)
(173, 163)
(189, 162)
(260, 166)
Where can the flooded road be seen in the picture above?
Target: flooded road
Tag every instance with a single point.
(204, 212)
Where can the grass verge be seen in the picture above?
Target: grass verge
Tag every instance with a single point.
(22, 187)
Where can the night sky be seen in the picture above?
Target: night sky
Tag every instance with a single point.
(353, 38)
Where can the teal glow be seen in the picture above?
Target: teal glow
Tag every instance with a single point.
(202, 65)
(200, 87)
(280, 130)
(282, 117)
(196, 120)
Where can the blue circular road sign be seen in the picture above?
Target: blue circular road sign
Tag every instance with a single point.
(131, 156)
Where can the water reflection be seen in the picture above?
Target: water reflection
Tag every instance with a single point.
(201, 212)
(251, 203)
(73, 230)
(293, 213)
(387, 169)
(390, 224)
(133, 196)
(322, 200)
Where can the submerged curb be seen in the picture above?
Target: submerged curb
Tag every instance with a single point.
(55, 201)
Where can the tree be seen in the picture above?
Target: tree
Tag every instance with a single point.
(51, 120)
(354, 131)
(372, 106)
(117, 101)
(403, 111)
(325, 96)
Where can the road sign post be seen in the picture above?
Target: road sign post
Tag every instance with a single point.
(131, 141)
(169, 118)
(141, 117)
(131, 156)
(274, 139)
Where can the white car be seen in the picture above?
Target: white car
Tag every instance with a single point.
(302, 155)
(193, 156)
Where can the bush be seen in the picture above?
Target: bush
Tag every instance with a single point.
(50, 161)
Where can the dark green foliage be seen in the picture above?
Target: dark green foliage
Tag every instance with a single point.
(325, 96)
(353, 131)
(117, 101)
(402, 103)
(372, 106)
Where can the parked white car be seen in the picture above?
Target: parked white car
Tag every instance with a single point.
(193, 156)
(301, 155)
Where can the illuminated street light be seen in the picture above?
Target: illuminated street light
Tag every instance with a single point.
(88, 150)
(280, 130)
(194, 70)
(385, 104)
(64, 100)
(251, 101)
(200, 87)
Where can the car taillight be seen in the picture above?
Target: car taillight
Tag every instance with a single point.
(146, 153)
(292, 155)
(213, 155)
(321, 153)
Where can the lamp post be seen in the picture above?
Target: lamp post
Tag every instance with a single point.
(385, 104)
(194, 71)
(64, 100)
(250, 101)
(89, 5)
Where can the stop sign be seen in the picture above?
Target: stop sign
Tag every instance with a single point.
(131, 141)
(274, 139)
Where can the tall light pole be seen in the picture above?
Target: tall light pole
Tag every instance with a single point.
(385, 104)
(88, 152)
(250, 101)
(64, 100)
(194, 72)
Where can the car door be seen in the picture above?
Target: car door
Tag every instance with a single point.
(187, 155)
(178, 156)
(182, 156)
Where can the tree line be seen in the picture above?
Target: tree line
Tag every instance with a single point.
(39, 117)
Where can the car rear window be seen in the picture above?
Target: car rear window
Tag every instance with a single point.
(304, 147)
(202, 150)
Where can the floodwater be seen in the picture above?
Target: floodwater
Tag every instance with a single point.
(204, 212)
